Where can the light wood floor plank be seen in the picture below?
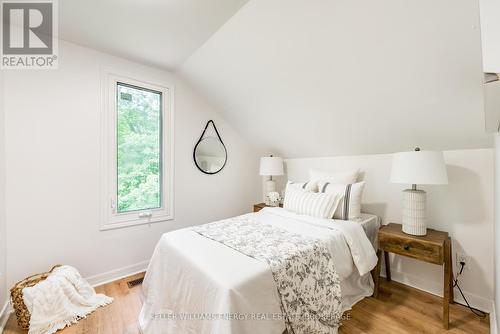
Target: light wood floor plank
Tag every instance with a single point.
(399, 309)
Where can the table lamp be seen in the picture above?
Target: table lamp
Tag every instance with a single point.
(271, 166)
(417, 167)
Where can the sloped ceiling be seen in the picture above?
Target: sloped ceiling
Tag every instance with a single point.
(162, 33)
(331, 77)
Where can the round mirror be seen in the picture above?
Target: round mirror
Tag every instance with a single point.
(210, 155)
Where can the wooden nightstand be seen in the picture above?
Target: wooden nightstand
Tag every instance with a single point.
(435, 247)
(260, 206)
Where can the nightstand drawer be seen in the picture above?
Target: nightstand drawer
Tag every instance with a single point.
(410, 247)
(260, 206)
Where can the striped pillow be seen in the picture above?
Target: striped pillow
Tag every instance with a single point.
(350, 204)
(309, 203)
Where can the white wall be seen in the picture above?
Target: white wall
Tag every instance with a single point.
(317, 78)
(490, 34)
(52, 184)
(497, 231)
(3, 239)
(492, 106)
(464, 208)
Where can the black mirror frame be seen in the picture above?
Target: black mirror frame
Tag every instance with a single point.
(198, 142)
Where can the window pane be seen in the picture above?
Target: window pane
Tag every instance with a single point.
(139, 148)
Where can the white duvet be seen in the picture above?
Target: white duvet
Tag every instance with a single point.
(197, 285)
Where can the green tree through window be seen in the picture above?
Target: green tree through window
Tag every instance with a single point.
(138, 148)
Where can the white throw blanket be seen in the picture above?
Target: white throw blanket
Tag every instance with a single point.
(61, 300)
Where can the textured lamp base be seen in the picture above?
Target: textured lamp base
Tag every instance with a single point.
(270, 187)
(414, 212)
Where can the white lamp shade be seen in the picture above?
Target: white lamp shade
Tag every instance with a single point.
(270, 166)
(419, 167)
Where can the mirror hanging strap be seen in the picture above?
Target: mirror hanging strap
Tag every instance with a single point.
(216, 131)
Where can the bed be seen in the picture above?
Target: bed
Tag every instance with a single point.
(195, 284)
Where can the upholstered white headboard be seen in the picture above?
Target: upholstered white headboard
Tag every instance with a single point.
(374, 170)
(467, 172)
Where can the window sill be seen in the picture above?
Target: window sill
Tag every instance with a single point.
(145, 221)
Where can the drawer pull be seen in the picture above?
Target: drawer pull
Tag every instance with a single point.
(406, 247)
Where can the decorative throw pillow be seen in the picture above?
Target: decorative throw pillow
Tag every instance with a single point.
(350, 204)
(307, 186)
(320, 205)
(343, 177)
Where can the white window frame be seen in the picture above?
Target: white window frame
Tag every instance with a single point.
(110, 218)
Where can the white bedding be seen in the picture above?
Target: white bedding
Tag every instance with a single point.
(196, 285)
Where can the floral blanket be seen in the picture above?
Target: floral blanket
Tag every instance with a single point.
(302, 268)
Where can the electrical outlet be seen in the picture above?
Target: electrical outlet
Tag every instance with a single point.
(462, 257)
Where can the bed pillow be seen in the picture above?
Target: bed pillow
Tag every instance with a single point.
(350, 203)
(320, 205)
(344, 177)
(307, 186)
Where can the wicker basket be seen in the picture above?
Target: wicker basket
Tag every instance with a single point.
(16, 294)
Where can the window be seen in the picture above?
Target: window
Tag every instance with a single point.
(137, 152)
(138, 148)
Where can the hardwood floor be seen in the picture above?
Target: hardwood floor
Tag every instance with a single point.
(399, 309)
(402, 309)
